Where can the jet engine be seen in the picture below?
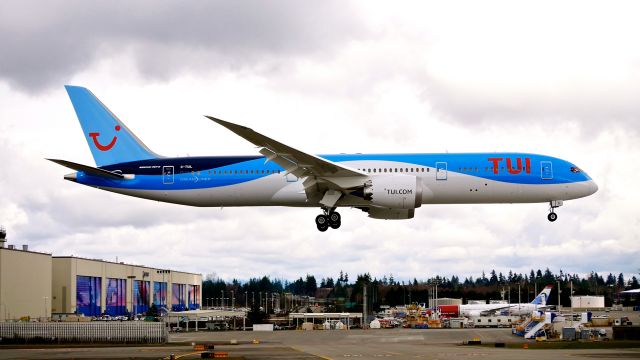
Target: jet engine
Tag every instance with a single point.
(394, 192)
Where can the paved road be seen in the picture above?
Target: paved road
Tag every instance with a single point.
(358, 344)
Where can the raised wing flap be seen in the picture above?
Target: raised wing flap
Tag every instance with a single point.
(292, 160)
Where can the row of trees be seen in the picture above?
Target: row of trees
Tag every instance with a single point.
(344, 294)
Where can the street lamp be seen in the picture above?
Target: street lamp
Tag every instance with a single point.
(45, 306)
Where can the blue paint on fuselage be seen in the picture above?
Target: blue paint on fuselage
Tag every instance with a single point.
(217, 171)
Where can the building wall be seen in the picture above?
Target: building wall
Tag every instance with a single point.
(444, 301)
(587, 302)
(67, 269)
(25, 284)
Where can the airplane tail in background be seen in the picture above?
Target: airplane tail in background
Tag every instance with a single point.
(542, 298)
(110, 141)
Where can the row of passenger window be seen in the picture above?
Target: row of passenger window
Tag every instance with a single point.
(391, 170)
(235, 172)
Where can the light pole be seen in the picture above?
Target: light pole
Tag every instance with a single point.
(559, 295)
(45, 306)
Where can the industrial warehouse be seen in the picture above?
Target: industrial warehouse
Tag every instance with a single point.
(39, 286)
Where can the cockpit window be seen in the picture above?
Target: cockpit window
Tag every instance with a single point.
(575, 169)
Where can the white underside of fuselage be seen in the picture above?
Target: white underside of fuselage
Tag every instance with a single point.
(277, 190)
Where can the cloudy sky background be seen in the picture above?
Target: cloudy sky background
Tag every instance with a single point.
(561, 79)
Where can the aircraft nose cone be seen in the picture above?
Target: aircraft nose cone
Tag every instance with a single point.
(592, 187)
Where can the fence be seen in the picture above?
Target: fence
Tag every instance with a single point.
(112, 332)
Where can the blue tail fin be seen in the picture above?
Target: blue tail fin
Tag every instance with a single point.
(542, 298)
(110, 141)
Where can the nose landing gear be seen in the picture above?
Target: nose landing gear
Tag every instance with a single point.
(552, 214)
(330, 218)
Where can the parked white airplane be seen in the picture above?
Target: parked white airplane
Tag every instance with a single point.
(471, 310)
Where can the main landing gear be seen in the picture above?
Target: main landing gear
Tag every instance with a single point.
(330, 218)
(552, 214)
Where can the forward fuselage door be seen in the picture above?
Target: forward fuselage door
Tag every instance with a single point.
(441, 171)
(546, 170)
(167, 175)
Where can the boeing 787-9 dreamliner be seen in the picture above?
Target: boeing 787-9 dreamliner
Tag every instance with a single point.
(385, 186)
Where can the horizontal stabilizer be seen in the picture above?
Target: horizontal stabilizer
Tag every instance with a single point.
(88, 169)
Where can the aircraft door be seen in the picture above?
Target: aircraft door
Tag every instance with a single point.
(546, 170)
(441, 171)
(167, 175)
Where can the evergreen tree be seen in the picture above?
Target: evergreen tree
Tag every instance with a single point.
(611, 280)
(493, 278)
(330, 283)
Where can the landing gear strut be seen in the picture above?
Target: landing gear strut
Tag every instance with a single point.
(329, 218)
(552, 214)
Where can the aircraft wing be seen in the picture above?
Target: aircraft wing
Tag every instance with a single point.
(323, 181)
(294, 161)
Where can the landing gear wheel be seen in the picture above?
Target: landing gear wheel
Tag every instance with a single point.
(552, 217)
(334, 217)
(334, 220)
(322, 220)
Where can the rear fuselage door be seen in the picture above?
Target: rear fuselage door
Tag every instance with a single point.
(167, 175)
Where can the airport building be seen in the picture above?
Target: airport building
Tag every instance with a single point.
(93, 287)
(25, 284)
(34, 285)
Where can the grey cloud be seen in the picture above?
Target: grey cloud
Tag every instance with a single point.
(44, 43)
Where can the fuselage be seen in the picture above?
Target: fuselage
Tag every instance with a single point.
(253, 181)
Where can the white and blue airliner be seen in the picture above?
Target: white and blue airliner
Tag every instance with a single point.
(385, 186)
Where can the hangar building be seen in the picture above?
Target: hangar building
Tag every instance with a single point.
(35, 285)
(93, 287)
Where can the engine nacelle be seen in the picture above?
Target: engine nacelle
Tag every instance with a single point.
(390, 214)
(394, 191)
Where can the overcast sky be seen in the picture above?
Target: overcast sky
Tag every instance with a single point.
(549, 77)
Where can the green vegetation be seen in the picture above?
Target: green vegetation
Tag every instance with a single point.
(344, 295)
